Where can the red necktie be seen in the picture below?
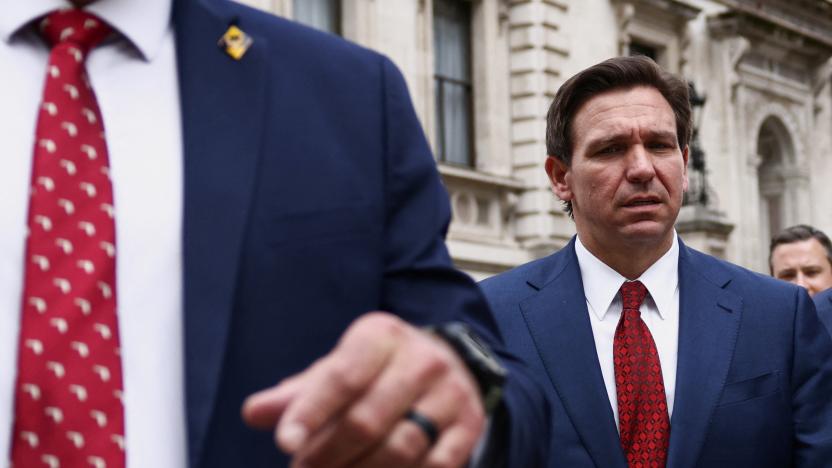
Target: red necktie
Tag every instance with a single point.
(643, 422)
(68, 395)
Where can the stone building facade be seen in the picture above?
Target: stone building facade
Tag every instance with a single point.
(483, 72)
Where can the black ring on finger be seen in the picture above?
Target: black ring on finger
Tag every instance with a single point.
(425, 424)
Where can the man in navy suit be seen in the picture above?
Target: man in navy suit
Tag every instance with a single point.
(651, 352)
(309, 199)
(823, 302)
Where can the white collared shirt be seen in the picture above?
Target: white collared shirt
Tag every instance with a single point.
(660, 312)
(136, 85)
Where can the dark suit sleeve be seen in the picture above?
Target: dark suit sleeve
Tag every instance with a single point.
(420, 283)
(812, 387)
(823, 302)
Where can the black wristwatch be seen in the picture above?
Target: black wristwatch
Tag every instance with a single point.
(478, 357)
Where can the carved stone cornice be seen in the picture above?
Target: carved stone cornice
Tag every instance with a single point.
(810, 18)
(681, 10)
(669, 15)
(799, 28)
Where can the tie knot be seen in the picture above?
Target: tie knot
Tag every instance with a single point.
(633, 294)
(75, 27)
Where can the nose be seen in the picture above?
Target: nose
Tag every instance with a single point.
(640, 165)
(802, 280)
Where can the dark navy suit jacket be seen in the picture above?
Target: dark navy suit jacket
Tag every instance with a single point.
(311, 197)
(823, 302)
(754, 374)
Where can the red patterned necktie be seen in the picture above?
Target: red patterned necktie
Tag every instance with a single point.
(643, 422)
(68, 395)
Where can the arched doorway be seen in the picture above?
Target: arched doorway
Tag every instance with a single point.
(775, 150)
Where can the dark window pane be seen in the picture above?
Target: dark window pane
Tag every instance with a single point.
(775, 211)
(643, 49)
(452, 67)
(452, 39)
(321, 14)
(457, 125)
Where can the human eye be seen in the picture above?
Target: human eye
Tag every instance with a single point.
(661, 146)
(811, 272)
(611, 149)
(786, 275)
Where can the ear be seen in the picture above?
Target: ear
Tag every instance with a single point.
(559, 176)
(685, 169)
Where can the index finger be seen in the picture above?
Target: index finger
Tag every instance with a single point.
(339, 378)
(262, 410)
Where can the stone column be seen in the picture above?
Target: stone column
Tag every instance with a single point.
(538, 52)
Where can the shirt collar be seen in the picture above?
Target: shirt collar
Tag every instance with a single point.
(143, 22)
(601, 283)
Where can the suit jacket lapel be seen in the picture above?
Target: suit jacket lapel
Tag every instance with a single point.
(558, 321)
(708, 326)
(222, 114)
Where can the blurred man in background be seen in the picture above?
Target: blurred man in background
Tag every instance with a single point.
(802, 255)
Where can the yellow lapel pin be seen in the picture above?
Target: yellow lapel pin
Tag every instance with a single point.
(235, 42)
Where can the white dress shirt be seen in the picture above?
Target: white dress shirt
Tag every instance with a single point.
(134, 78)
(660, 312)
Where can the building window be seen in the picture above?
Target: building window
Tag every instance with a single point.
(320, 14)
(638, 48)
(452, 81)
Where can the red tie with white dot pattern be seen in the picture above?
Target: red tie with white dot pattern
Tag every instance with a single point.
(643, 420)
(68, 395)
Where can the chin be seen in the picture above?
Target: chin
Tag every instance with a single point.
(647, 232)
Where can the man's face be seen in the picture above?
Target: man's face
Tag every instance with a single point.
(627, 174)
(803, 263)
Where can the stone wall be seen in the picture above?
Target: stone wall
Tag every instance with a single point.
(766, 127)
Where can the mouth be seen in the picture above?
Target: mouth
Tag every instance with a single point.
(640, 202)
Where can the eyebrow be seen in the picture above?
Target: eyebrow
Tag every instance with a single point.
(785, 271)
(620, 137)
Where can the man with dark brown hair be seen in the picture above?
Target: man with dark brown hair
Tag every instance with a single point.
(802, 255)
(652, 353)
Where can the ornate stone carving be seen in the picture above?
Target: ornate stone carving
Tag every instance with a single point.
(776, 30)
(811, 19)
(659, 22)
(483, 205)
(765, 109)
(625, 12)
(737, 47)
